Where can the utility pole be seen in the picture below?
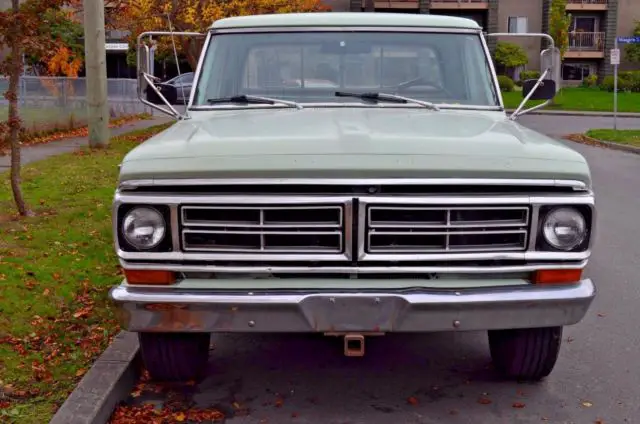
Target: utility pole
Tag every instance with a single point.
(96, 66)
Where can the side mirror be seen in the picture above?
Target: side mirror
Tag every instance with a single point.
(550, 60)
(150, 91)
(169, 92)
(546, 90)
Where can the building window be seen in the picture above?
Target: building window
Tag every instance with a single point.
(577, 71)
(518, 24)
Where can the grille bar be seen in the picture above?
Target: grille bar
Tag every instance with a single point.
(307, 229)
(451, 217)
(263, 216)
(402, 229)
(262, 241)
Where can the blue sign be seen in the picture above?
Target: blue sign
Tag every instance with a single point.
(629, 40)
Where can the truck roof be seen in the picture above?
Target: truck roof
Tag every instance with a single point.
(345, 19)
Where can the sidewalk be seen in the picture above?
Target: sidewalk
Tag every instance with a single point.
(41, 151)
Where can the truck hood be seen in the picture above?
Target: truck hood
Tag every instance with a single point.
(352, 143)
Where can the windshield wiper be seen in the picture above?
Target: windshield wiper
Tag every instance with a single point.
(243, 98)
(387, 98)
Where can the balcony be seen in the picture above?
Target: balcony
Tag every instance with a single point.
(587, 5)
(585, 45)
(460, 4)
(396, 4)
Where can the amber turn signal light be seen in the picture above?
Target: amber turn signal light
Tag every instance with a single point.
(556, 276)
(150, 277)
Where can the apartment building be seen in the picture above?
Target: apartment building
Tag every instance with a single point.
(594, 25)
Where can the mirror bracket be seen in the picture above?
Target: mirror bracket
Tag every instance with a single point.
(551, 69)
(145, 79)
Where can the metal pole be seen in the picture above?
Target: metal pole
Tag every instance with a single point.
(615, 90)
(96, 65)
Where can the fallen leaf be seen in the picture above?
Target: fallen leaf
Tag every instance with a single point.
(412, 400)
(278, 403)
(294, 415)
(518, 405)
(601, 315)
(180, 416)
(599, 421)
(484, 401)
(80, 372)
(587, 404)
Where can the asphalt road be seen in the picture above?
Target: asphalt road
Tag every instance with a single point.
(596, 379)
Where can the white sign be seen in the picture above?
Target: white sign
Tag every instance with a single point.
(615, 56)
(119, 47)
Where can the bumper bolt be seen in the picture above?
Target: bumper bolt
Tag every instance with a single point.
(252, 323)
(456, 324)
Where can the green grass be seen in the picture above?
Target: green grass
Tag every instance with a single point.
(580, 99)
(630, 137)
(55, 272)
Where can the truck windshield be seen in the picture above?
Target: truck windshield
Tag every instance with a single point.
(310, 67)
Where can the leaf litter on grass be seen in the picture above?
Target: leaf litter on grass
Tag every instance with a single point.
(56, 269)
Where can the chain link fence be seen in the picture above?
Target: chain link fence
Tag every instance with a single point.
(50, 102)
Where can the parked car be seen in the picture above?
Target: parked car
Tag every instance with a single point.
(386, 191)
(182, 84)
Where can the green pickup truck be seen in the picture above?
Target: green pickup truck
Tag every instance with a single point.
(351, 174)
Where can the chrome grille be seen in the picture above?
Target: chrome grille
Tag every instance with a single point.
(407, 229)
(299, 229)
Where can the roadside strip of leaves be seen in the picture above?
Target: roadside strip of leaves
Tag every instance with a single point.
(31, 137)
(55, 272)
(177, 405)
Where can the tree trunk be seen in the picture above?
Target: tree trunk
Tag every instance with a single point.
(14, 119)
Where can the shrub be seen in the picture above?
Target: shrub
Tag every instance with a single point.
(627, 81)
(590, 81)
(510, 55)
(506, 83)
(526, 75)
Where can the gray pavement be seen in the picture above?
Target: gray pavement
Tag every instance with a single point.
(595, 380)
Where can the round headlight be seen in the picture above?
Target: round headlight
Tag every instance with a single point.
(143, 228)
(564, 228)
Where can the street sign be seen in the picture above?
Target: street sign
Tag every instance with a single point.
(628, 40)
(116, 47)
(615, 56)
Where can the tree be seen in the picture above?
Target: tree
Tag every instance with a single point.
(67, 56)
(559, 22)
(632, 51)
(20, 32)
(194, 15)
(510, 55)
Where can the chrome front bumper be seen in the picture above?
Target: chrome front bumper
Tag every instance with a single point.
(161, 310)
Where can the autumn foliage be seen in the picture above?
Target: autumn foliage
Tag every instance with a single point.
(559, 22)
(195, 15)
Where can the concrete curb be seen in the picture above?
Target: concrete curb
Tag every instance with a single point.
(108, 382)
(618, 146)
(579, 113)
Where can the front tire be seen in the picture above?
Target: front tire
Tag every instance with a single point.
(176, 357)
(525, 354)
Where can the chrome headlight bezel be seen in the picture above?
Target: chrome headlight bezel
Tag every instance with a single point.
(125, 243)
(577, 216)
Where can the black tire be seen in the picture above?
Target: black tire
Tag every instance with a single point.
(175, 357)
(525, 354)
